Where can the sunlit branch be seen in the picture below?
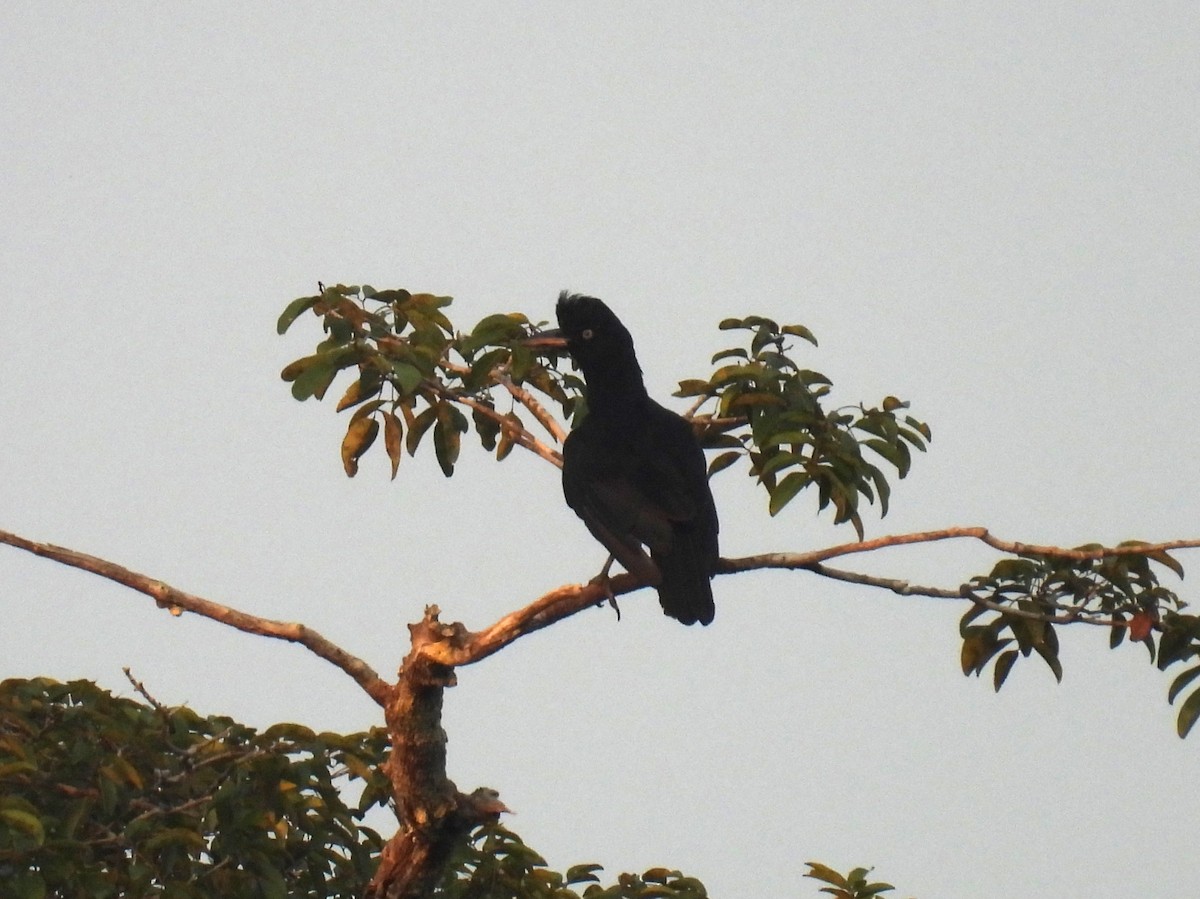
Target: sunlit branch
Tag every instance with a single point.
(521, 436)
(530, 402)
(177, 601)
(463, 647)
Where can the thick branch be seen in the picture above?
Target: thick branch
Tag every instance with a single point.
(468, 647)
(177, 601)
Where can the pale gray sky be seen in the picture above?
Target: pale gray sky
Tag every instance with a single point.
(992, 210)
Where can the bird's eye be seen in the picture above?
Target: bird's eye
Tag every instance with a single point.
(588, 334)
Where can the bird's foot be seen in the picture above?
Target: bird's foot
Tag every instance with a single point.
(603, 581)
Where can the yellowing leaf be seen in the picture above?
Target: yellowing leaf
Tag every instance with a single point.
(393, 440)
(359, 437)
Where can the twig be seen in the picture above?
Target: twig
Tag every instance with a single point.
(530, 402)
(904, 588)
(177, 601)
(808, 559)
(141, 688)
(521, 436)
(896, 585)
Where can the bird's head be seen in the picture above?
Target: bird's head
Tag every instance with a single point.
(588, 330)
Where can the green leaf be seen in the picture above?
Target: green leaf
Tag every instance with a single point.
(496, 329)
(417, 428)
(723, 461)
(315, 379)
(1117, 632)
(447, 438)
(1048, 650)
(406, 377)
(481, 369)
(1003, 665)
(486, 427)
(873, 889)
(27, 885)
(791, 438)
(174, 836)
(825, 874)
(775, 462)
(294, 369)
(26, 822)
(1188, 713)
(799, 331)
(1020, 570)
(583, 873)
(786, 491)
(1162, 558)
(1178, 685)
(691, 387)
(733, 353)
(294, 310)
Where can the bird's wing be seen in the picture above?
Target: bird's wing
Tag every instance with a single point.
(676, 479)
(599, 486)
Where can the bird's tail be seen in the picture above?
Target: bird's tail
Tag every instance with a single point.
(685, 592)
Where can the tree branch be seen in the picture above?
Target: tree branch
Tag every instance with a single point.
(177, 601)
(462, 647)
(904, 588)
(808, 559)
(530, 402)
(521, 436)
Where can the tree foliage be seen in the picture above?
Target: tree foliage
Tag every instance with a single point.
(102, 796)
(760, 405)
(105, 796)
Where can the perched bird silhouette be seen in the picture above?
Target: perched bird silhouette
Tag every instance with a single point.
(633, 470)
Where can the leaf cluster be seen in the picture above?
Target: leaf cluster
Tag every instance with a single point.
(853, 885)
(414, 374)
(102, 796)
(1019, 604)
(496, 864)
(771, 411)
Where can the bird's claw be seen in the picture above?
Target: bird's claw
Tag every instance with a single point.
(603, 581)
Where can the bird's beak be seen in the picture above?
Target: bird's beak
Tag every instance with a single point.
(545, 340)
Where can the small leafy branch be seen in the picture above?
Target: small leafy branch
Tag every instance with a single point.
(414, 372)
(852, 885)
(769, 410)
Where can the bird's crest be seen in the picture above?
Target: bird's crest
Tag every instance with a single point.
(577, 313)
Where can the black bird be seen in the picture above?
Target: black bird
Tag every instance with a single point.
(633, 470)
